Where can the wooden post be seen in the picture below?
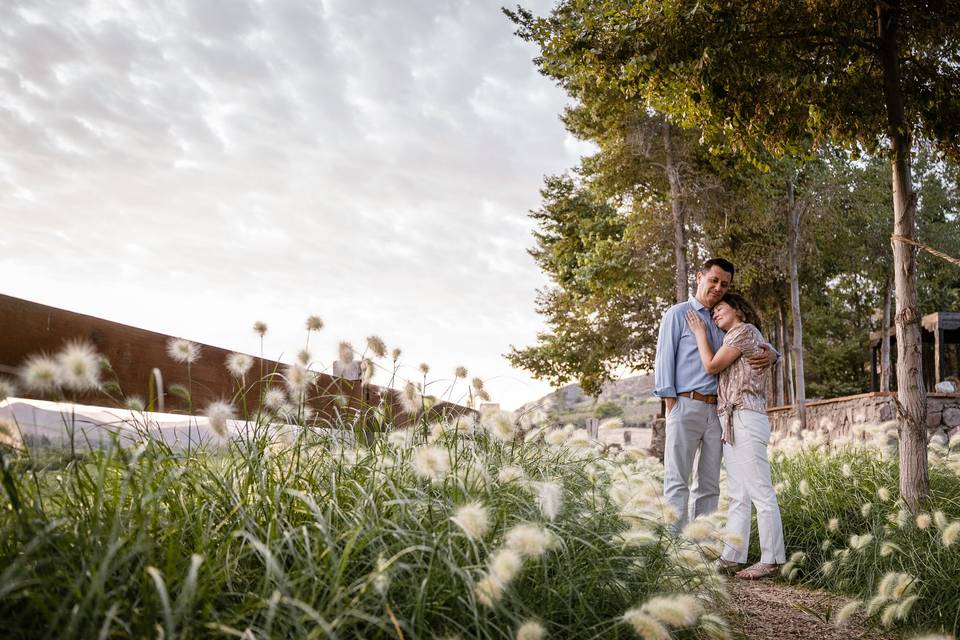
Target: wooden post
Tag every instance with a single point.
(938, 352)
(885, 336)
(593, 428)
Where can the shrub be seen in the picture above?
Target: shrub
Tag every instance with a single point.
(858, 538)
(307, 537)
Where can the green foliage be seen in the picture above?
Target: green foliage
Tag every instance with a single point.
(608, 409)
(837, 486)
(611, 278)
(781, 76)
(769, 83)
(305, 538)
(938, 282)
(837, 324)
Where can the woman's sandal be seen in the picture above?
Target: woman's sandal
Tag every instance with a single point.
(727, 567)
(759, 571)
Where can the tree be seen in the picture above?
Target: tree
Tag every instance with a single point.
(642, 156)
(611, 274)
(608, 409)
(784, 76)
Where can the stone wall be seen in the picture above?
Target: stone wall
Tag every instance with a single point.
(840, 414)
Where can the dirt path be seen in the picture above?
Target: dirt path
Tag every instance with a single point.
(768, 610)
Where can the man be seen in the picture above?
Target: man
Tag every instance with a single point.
(690, 394)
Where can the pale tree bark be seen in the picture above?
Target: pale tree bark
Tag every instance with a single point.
(777, 377)
(787, 368)
(885, 339)
(911, 395)
(682, 286)
(794, 211)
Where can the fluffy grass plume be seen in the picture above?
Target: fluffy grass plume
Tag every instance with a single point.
(345, 352)
(505, 565)
(40, 373)
(368, 369)
(843, 614)
(646, 626)
(274, 398)
(531, 630)
(510, 473)
(549, 499)
(218, 413)
(488, 591)
(610, 423)
(79, 366)
(431, 463)
(183, 351)
(676, 610)
(698, 530)
(7, 389)
(239, 364)
(376, 346)
(473, 519)
(297, 378)
(500, 425)
(951, 533)
(410, 399)
(528, 540)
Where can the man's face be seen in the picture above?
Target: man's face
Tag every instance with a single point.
(711, 285)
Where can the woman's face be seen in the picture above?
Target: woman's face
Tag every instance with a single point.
(725, 317)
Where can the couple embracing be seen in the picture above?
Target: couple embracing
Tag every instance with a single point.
(711, 370)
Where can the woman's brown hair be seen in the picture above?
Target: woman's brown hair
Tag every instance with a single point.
(743, 308)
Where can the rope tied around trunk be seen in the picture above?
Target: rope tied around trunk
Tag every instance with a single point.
(898, 238)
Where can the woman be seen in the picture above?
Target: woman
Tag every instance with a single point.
(742, 406)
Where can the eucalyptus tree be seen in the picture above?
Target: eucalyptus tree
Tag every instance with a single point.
(786, 76)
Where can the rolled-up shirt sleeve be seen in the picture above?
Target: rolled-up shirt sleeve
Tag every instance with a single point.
(665, 366)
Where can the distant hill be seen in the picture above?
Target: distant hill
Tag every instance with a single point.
(569, 404)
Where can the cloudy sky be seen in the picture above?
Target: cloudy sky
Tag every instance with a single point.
(192, 166)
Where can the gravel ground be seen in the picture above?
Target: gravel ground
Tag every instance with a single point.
(768, 610)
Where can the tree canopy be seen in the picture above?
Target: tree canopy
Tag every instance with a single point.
(783, 79)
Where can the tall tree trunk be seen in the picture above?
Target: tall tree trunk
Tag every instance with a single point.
(885, 335)
(793, 211)
(679, 221)
(787, 354)
(911, 395)
(777, 377)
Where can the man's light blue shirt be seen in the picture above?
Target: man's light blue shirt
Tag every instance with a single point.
(678, 368)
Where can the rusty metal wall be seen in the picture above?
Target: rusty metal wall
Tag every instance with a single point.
(28, 327)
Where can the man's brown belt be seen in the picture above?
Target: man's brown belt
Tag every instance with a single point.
(699, 396)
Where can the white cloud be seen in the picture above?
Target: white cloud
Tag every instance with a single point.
(190, 167)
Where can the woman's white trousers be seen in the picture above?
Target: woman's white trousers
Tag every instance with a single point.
(749, 485)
